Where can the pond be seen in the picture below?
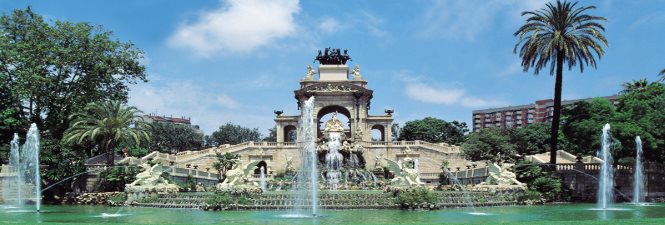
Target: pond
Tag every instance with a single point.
(508, 214)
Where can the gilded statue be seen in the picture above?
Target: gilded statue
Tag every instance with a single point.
(334, 124)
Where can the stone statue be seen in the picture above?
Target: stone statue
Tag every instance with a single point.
(151, 176)
(377, 162)
(148, 182)
(500, 176)
(346, 146)
(334, 124)
(310, 72)
(356, 73)
(359, 133)
(289, 164)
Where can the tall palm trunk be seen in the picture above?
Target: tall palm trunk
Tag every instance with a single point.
(557, 109)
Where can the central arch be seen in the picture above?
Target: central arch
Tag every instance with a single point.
(331, 109)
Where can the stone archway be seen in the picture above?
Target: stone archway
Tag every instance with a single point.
(381, 132)
(263, 164)
(332, 109)
(290, 133)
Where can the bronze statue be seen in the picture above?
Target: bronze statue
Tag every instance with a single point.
(333, 56)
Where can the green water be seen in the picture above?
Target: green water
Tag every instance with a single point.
(510, 214)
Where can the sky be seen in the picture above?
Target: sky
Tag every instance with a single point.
(220, 61)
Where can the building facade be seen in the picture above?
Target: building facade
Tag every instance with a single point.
(520, 116)
(152, 118)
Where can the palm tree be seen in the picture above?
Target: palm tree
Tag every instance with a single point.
(557, 35)
(662, 75)
(225, 162)
(107, 124)
(636, 85)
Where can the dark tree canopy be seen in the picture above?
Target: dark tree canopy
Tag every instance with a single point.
(173, 138)
(490, 143)
(54, 69)
(434, 130)
(234, 134)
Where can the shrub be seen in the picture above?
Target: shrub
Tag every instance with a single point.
(411, 197)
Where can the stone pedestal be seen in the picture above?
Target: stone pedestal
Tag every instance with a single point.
(333, 73)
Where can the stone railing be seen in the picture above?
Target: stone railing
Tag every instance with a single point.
(586, 167)
(192, 155)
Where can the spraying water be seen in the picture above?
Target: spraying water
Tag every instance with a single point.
(333, 160)
(638, 178)
(606, 183)
(307, 184)
(262, 179)
(13, 186)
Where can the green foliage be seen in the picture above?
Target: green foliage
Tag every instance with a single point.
(63, 160)
(226, 198)
(115, 178)
(635, 85)
(538, 180)
(531, 139)
(414, 196)
(48, 70)
(490, 144)
(234, 134)
(224, 163)
(433, 130)
(121, 197)
(548, 186)
(173, 138)
(530, 195)
(638, 113)
(107, 124)
(53, 69)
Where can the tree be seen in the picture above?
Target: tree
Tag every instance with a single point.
(54, 69)
(173, 138)
(583, 122)
(489, 144)
(225, 162)
(106, 124)
(635, 85)
(434, 130)
(531, 139)
(662, 75)
(560, 34)
(272, 135)
(234, 134)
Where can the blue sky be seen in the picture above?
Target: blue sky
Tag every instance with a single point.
(237, 60)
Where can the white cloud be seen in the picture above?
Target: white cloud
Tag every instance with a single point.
(239, 26)
(513, 68)
(227, 101)
(329, 25)
(448, 96)
(425, 93)
(206, 108)
(468, 19)
(374, 25)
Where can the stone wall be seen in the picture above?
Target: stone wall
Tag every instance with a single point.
(582, 179)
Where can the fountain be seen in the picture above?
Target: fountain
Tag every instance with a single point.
(13, 186)
(638, 184)
(262, 179)
(606, 181)
(307, 184)
(24, 181)
(333, 160)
